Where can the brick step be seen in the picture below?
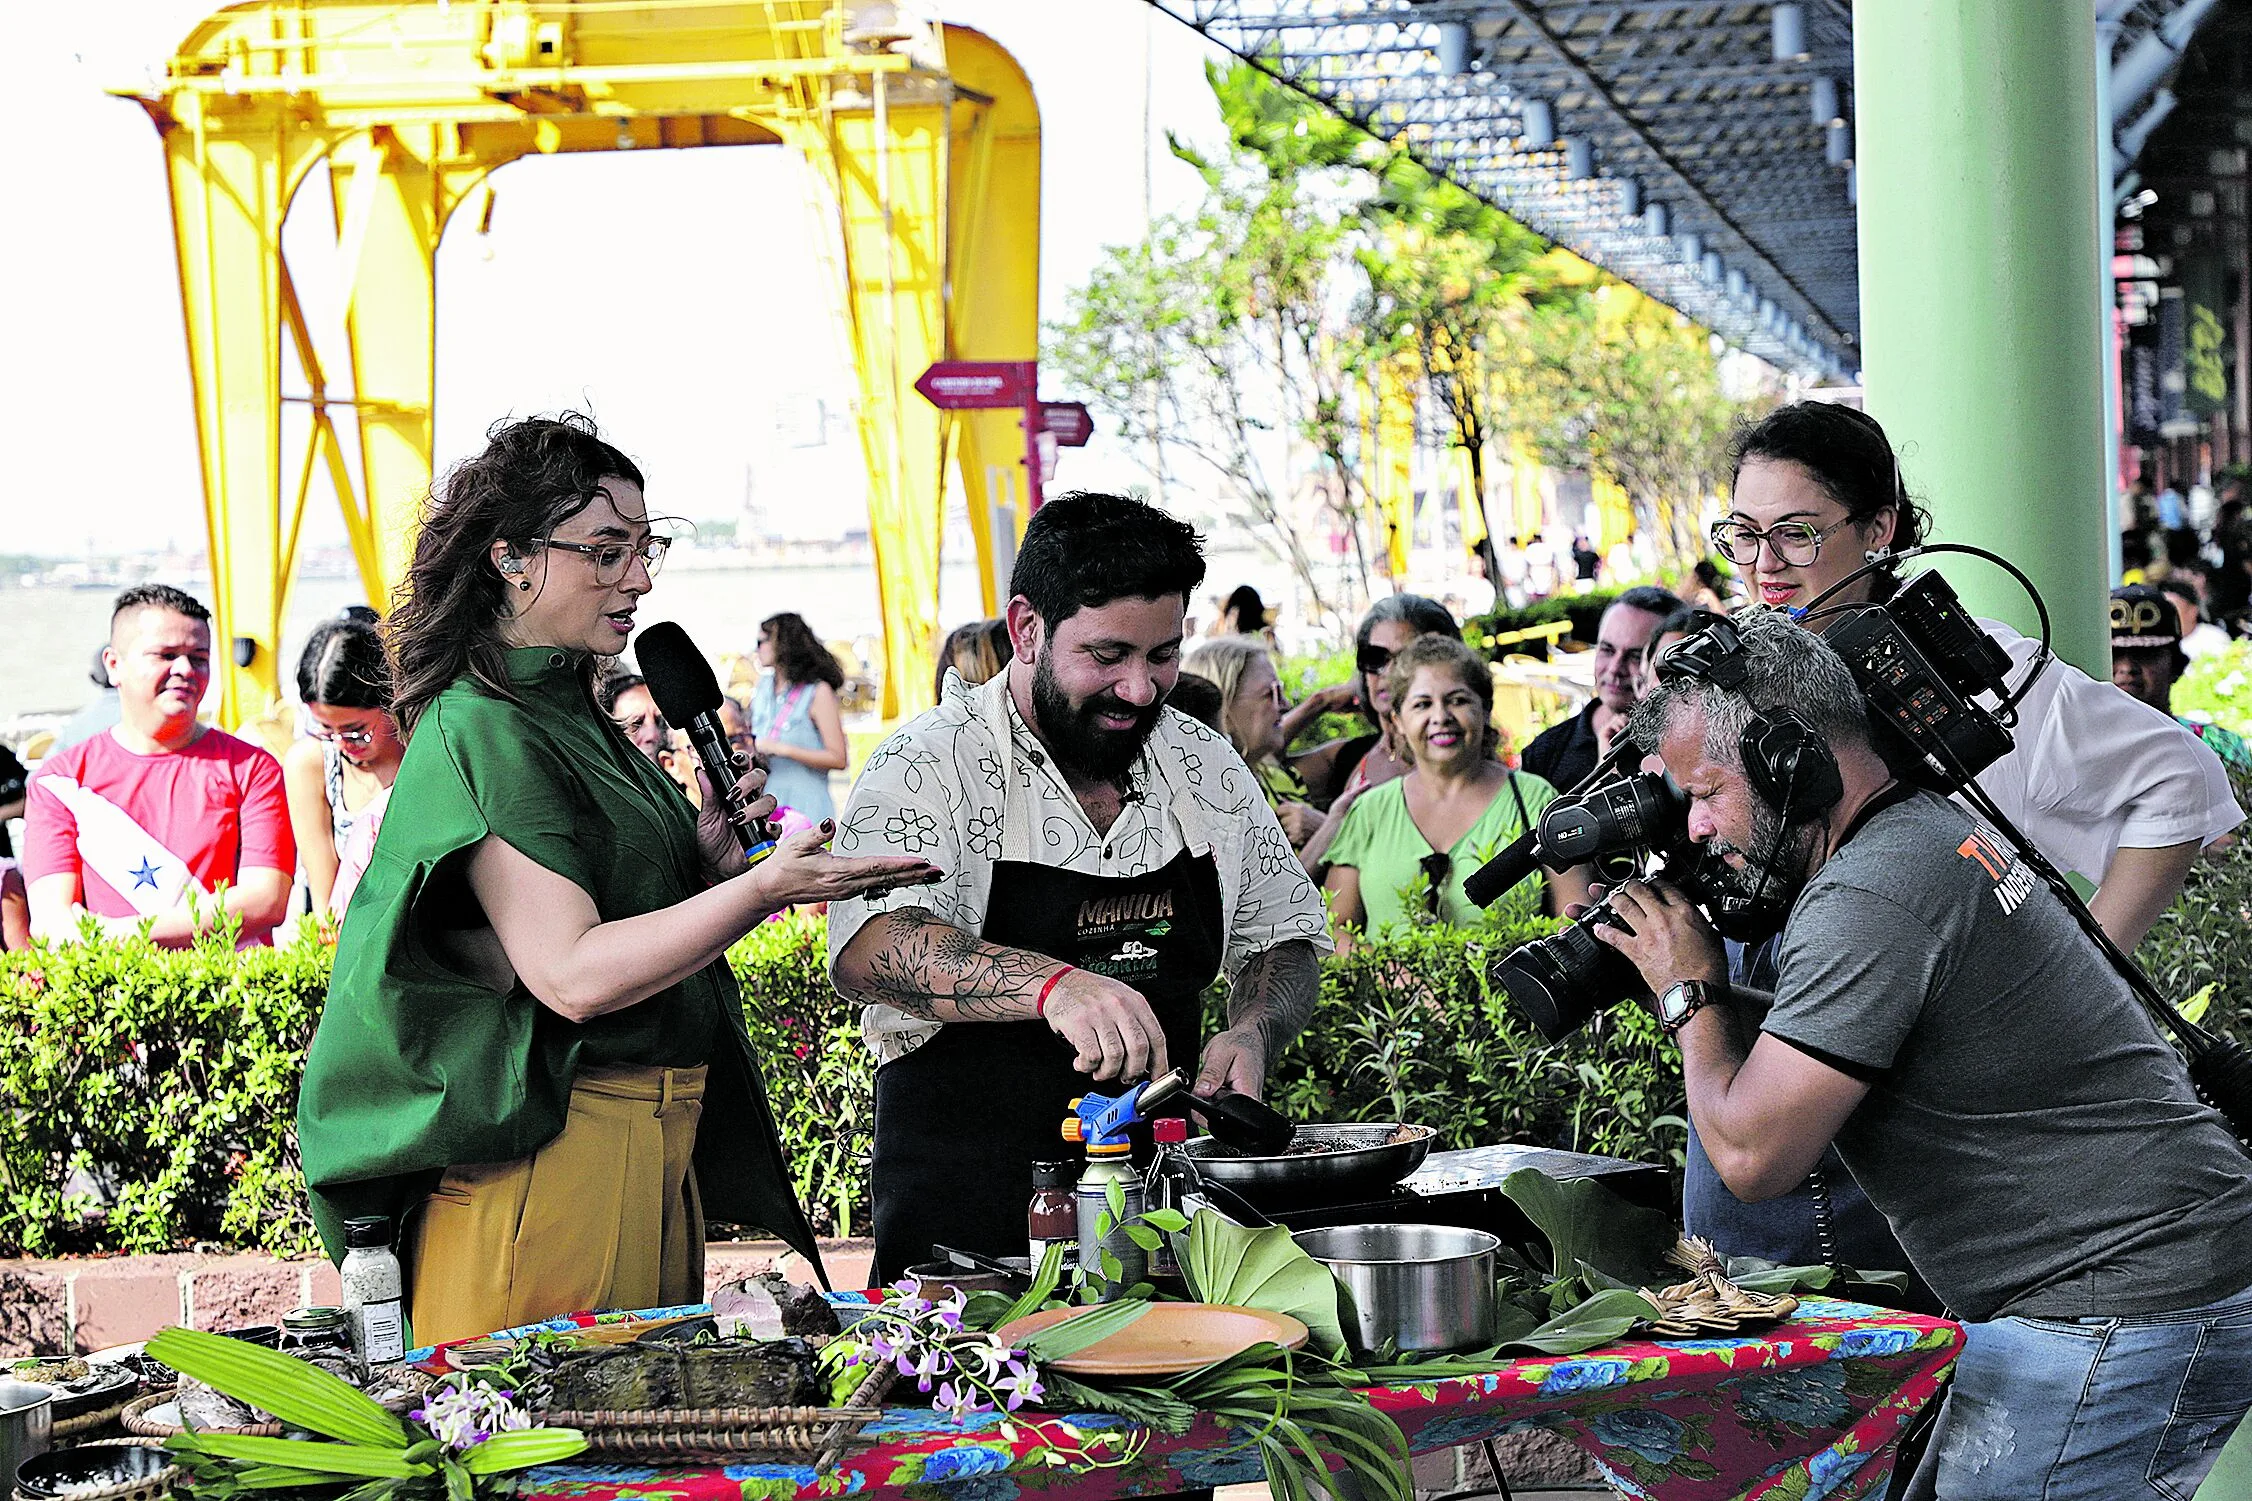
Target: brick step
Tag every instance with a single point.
(89, 1303)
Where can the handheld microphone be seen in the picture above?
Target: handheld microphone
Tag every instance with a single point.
(687, 694)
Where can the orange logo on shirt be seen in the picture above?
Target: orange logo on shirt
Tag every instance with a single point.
(2012, 877)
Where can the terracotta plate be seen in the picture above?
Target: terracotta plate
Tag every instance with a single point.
(1169, 1339)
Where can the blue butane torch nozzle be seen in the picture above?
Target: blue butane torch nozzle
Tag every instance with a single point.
(1100, 1120)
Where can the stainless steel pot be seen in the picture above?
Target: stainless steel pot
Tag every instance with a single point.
(1422, 1287)
(26, 1421)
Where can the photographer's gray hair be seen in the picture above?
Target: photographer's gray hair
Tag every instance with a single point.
(1788, 667)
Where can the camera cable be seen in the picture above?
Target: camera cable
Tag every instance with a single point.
(1883, 558)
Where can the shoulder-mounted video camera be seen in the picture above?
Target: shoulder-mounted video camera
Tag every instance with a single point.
(1918, 658)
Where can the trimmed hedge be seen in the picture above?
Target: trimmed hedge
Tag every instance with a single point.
(171, 1076)
(1584, 611)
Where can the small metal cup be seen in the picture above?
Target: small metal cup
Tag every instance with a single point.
(26, 1424)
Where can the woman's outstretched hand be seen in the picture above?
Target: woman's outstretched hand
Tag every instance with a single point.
(801, 870)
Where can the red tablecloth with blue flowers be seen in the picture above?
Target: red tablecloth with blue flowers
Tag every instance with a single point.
(1810, 1409)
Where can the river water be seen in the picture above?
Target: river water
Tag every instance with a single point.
(48, 635)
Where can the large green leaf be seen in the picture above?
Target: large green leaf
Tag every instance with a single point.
(304, 1396)
(1586, 1222)
(1229, 1263)
(375, 1463)
(1600, 1320)
(523, 1448)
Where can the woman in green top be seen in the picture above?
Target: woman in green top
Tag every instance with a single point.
(1454, 809)
(531, 1028)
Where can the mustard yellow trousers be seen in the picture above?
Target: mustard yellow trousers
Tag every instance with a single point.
(604, 1216)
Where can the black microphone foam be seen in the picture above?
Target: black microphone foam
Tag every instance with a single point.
(680, 680)
(687, 694)
(1485, 885)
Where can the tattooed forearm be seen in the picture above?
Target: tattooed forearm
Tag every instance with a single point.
(936, 972)
(1273, 994)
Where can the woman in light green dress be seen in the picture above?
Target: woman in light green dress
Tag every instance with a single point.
(1405, 847)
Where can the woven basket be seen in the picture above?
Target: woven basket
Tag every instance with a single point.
(820, 1435)
(136, 1419)
(152, 1488)
(88, 1423)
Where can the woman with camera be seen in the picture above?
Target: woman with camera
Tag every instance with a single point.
(532, 1063)
(1456, 806)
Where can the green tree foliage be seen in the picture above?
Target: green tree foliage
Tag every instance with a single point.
(1244, 336)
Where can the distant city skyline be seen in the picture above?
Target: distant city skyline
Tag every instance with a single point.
(645, 287)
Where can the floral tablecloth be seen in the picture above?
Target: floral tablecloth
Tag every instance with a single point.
(1809, 1409)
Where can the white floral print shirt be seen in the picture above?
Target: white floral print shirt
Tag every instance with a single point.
(967, 785)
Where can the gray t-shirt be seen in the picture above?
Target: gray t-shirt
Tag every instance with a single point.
(2032, 1138)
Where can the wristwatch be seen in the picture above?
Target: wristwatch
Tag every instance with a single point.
(1685, 998)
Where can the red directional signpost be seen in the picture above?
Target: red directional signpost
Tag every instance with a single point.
(969, 385)
(954, 385)
(1068, 422)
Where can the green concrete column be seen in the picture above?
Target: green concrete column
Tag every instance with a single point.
(1976, 144)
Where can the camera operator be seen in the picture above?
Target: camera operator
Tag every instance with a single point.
(1991, 1082)
(2109, 789)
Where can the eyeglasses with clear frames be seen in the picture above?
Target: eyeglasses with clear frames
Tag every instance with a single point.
(1794, 543)
(610, 558)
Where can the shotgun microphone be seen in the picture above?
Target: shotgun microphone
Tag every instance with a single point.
(687, 694)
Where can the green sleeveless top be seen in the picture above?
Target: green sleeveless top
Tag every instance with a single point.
(417, 1067)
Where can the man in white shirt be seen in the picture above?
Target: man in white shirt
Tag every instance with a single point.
(1106, 859)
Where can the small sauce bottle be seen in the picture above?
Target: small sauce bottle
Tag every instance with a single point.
(374, 1293)
(1053, 1217)
(1165, 1178)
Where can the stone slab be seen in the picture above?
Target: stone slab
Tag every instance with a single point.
(91, 1302)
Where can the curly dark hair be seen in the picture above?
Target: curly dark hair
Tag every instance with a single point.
(533, 475)
(1850, 457)
(799, 656)
(1085, 549)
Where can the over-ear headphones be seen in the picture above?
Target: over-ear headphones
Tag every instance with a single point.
(1786, 760)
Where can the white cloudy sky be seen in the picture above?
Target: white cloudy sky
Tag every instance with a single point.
(651, 287)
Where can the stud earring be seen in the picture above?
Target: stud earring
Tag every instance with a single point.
(523, 583)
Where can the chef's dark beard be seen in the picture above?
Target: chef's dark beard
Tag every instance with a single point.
(1080, 745)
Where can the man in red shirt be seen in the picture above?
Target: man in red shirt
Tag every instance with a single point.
(161, 821)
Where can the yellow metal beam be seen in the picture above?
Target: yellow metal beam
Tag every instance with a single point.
(995, 194)
(936, 178)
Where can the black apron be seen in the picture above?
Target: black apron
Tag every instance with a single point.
(961, 1120)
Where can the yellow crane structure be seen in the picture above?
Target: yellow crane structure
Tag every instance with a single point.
(926, 137)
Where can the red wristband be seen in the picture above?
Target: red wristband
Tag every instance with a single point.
(1040, 1006)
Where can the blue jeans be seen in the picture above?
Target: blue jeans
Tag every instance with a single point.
(2092, 1409)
